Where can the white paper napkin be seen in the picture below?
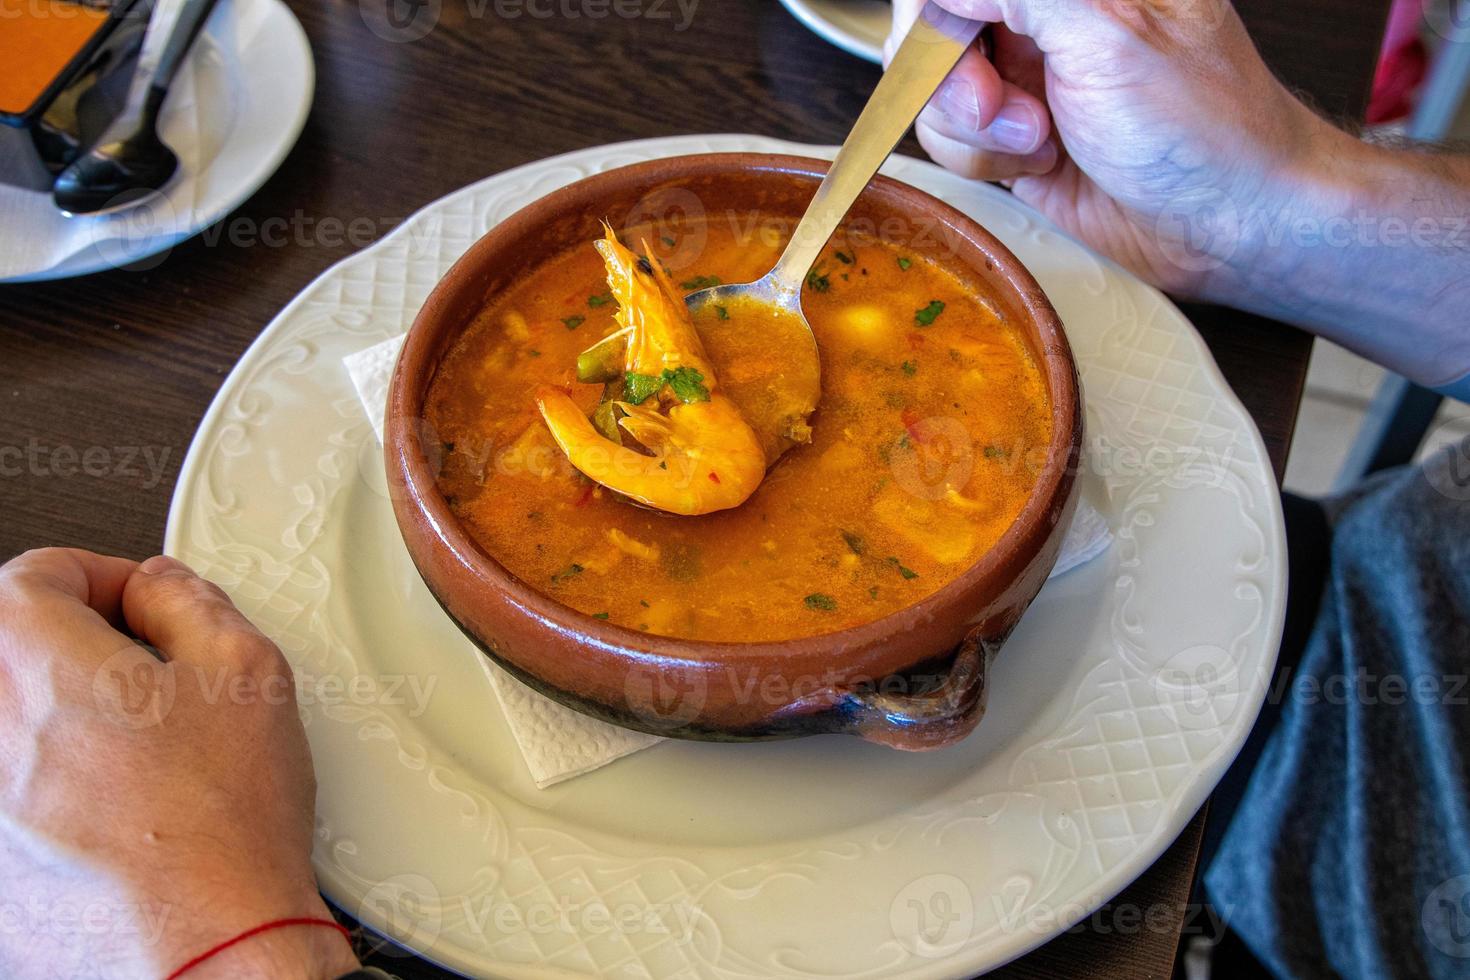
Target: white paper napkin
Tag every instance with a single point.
(557, 742)
(35, 236)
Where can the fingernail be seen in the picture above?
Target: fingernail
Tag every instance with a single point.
(162, 563)
(960, 103)
(1016, 127)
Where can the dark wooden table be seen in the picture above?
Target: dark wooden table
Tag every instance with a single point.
(126, 360)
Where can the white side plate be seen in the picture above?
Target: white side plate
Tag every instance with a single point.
(249, 91)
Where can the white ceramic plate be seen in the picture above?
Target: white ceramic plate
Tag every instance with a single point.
(248, 91)
(858, 27)
(1117, 704)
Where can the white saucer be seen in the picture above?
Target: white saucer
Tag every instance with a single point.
(856, 26)
(1119, 702)
(236, 108)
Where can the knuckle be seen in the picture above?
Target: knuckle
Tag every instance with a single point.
(250, 652)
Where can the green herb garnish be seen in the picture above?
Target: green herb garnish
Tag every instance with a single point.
(602, 615)
(817, 282)
(601, 299)
(928, 314)
(820, 601)
(854, 542)
(904, 263)
(638, 387)
(873, 592)
(570, 571)
(902, 569)
(910, 368)
(687, 384)
(573, 322)
(700, 282)
(666, 240)
(844, 258)
(994, 452)
(722, 313)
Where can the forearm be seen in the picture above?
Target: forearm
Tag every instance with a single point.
(1371, 249)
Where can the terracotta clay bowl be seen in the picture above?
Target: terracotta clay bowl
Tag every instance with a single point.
(915, 679)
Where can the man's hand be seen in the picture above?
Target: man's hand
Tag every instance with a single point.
(1105, 114)
(1153, 131)
(150, 806)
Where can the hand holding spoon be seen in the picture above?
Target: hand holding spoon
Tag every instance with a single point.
(932, 47)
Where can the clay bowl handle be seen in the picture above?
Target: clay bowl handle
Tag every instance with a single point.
(937, 717)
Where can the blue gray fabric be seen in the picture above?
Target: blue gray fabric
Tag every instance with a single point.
(1349, 852)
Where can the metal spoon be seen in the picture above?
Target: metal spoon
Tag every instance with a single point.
(932, 47)
(129, 162)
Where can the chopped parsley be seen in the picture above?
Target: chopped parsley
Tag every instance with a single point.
(601, 299)
(994, 452)
(534, 353)
(929, 314)
(571, 571)
(667, 240)
(637, 387)
(904, 263)
(844, 258)
(573, 322)
(873, 592)
(721, 312)
(903, 570)
(817, 282)
(700, 282)
(643, 603)
(602, 615)
(687, 384)
(854, 542)
(821, 601)
(910, 368)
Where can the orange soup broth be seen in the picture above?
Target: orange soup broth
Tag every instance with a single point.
(922, 452)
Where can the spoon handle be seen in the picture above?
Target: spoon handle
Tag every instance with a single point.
(933, 47)
(171, 31)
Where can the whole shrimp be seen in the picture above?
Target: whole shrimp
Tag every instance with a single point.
(701, 454)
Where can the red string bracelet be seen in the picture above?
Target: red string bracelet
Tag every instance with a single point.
(248, 933)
